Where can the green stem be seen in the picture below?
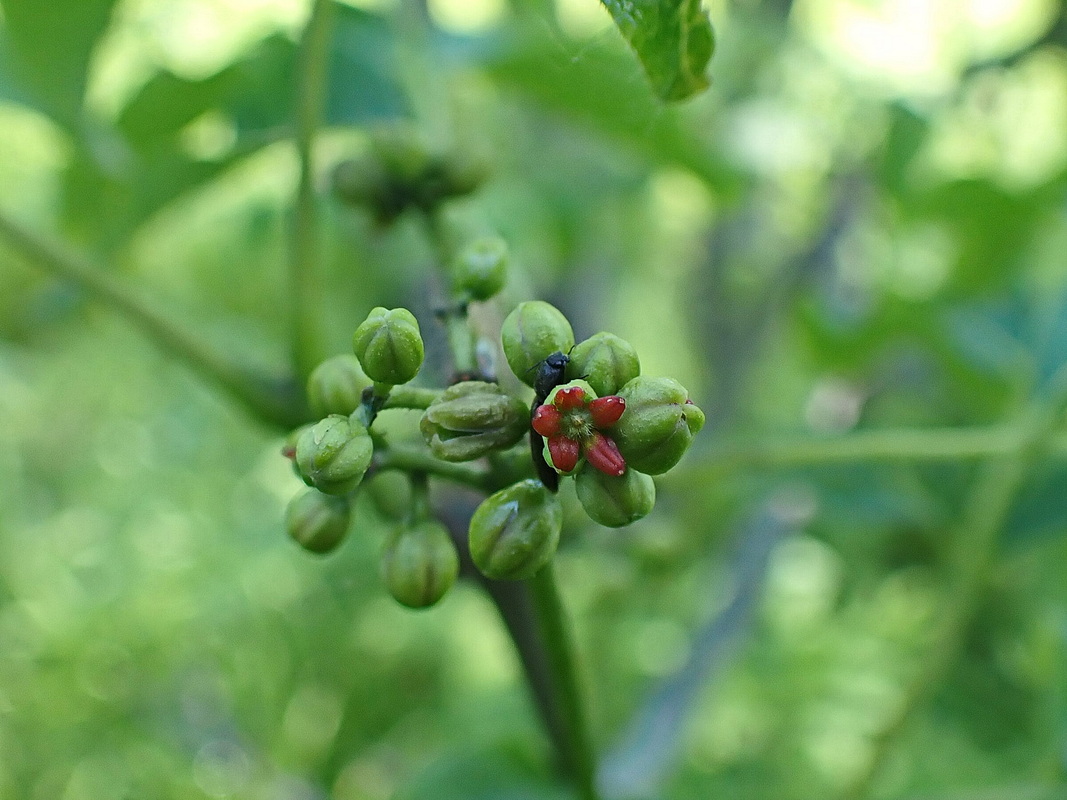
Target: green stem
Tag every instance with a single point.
(577, 752)
(931, 444)
(274, 400)
(408, 459)
(312, 71)
(412, 397)
(420, 497)
(988, 505)
(461, 338)
(462, 342)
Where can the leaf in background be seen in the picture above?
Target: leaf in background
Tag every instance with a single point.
(363, 74)
(1040, 512)
(482, 776)
(48, 49)
(991, 224)
(673, 40)
(167, 103)
(150, 164)
(583, 83)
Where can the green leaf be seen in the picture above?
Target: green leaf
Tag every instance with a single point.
(254, 95)
(581, 82)
(485, 774)
(49, 46)
(673, 40)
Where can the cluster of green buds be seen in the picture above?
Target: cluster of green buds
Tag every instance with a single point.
(593, 417)
(400, 171)
(472, 419)
(419, 561)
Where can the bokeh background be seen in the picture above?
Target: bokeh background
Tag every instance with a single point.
(861, 225)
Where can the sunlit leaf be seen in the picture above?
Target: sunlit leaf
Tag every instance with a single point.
(49, 48)
(584, 85)
(673, 39)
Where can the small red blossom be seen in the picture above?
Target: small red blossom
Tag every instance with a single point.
(574, 426)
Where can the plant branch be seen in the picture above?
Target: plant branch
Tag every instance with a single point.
(534, 617)
(577, 752)
(312, 70)
(988, 504)
(409, 459)
(272, 399)
(461, 339)
(916, 444)
(412, 397)
(514, 602)
(653, 741)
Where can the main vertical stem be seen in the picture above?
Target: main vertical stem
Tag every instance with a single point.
(577, 751)
(461, 339)
(312, 71)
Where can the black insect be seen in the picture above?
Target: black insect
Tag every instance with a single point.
(550, 374)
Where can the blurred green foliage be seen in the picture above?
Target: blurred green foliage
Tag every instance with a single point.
(862, 225)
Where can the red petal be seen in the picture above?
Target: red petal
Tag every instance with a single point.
(607, 410)
(565, 452)
(570, 399)
(546, 420)
(602, 453)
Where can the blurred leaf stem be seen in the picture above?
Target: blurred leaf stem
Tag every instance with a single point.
(304, 257)
(274, 399)
(897, 444)
(988, 504)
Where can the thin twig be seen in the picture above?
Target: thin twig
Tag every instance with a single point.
(988, 505)
(273, 399)
(897, 444)
(651, 743)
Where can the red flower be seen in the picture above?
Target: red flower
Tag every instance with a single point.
(573, 426)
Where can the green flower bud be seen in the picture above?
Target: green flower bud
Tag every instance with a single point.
(333, 454)
(530, 334)
(402, 153)
(615, 501)
(289, 449)
(471, 419)
(419, 564)
(658, 426)
(360, 181)
(515, 532)
(462, 172)
(481, 268)
(388, 345)
(336, 386)
(607, 362)
(317, 521)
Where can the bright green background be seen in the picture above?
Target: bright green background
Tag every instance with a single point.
(861, 225)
